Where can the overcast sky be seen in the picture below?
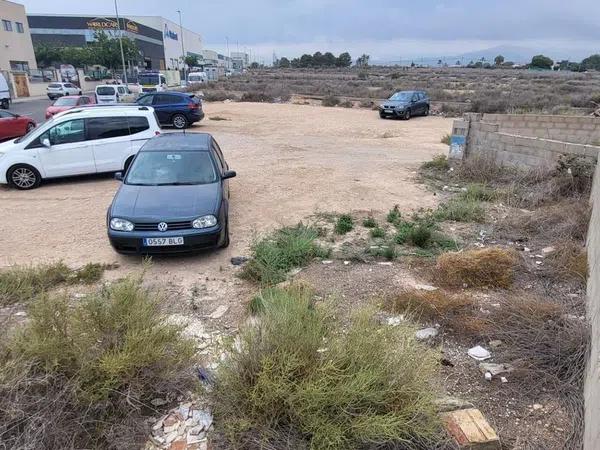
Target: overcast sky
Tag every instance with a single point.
(386, 29)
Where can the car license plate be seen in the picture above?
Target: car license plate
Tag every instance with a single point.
(161, 242)
(388, 111)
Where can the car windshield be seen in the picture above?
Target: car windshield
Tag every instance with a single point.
(171, 167)
(401, 96)
(65, 101)
(148, 79)
(54, 85)
(105, 90)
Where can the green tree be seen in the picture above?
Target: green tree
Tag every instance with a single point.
(317, 59)
(46, 55)
(306, 60)
(541, 62)
(591, 63)
(107, 51)
(363, 60)
(328, 59)
(498, 60)
(254, 65)
(283, 63)
(191, 60)
(344, 60)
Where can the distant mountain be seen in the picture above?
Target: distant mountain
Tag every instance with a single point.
(518, 55)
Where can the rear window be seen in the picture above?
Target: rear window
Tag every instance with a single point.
(137, 124)
(54, 85)
(107, 127)
(65, 101)
(105, 90)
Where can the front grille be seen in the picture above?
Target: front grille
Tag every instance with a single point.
(153, 226)
(389, 106)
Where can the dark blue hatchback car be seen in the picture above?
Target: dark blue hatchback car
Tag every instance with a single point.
(174, 197)
(179, 109)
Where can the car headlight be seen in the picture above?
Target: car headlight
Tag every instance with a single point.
(121, 224)
(205, 221)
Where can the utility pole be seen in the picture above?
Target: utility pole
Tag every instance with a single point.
(182, 48)
(228, 53)
(121, 44)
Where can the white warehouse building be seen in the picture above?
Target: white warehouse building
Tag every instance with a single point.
(172, 36)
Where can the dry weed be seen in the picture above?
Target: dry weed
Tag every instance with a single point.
(567, 262)
(486, 267)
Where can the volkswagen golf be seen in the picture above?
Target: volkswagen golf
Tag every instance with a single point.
(174, 197)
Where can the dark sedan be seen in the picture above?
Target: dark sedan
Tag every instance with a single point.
(179, 109)
(404, 105)
(174, 197)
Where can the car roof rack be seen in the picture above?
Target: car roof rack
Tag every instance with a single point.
(97, 106)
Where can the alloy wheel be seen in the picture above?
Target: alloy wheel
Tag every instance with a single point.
(179, 122)
(23, 178)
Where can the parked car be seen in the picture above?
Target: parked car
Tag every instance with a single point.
(404, 105)
(55, 90)
(67, 102)
(179, 109)
(5, 98)
(197, 77)
(111, 94)
(174, 197)
(76, 142)
(14, 125)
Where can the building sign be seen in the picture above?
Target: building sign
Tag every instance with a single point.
(169, 34)
(132, 26)
(102, 24)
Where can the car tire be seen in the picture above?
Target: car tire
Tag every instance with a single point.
(30, 126)
(179, 121)
(4, 103)
(426, 113)
(406, 115)
(80, 93)
(23, 177)
(381, 116)
(226, 241)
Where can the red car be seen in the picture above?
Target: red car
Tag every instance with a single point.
(68, 102)
(13, 125)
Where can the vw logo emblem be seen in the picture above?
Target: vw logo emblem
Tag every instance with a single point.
(162, 226)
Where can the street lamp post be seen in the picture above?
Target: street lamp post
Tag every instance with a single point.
(182, 48)
(121, 44)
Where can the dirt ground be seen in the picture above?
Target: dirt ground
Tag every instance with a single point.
(291, 160)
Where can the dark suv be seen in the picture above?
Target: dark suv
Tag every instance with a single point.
(179, 109)
(404, 105)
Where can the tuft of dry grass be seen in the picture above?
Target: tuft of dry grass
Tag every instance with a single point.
(486, 267)
(430, 306)
(567, 262)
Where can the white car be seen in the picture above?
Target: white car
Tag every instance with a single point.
(75, 142)
(107, 94)
(55, 90)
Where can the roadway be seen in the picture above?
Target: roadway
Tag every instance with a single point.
(36, 109)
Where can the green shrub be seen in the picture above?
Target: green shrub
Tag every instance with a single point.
(404, 230)
(22, 284)
(394, 215)
(369, 222)
(419, 236)
(446, 139)
(478, 192)
(377, 232)
(330, 100)
(274, 255)
(390, 252)
(293, 373)
(81, 376)
(344, 224)
(439, 162)
(460, 210)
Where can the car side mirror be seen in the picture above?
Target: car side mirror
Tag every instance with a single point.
(119, 176)
(46, 142)
(228, 174)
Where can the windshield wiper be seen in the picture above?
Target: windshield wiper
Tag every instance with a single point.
(177, 183)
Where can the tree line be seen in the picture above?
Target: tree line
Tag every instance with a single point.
(104, 51)
(540, 62)
(317, 59)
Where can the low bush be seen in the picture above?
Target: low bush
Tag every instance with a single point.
(460, 210)
(369, 222)
(347, 104)
(344, 224)
(394, 215)
(284, 249)
(22, 284)
(486, 267)
(295, 375)
(218, 96)
(477, 192)
(330, 100)
(377, 232)
(259, 97)
(446, 139)
(439, 162)
(84, 376)
(567, 262)
(482, 169)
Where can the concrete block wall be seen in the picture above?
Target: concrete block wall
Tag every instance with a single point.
(576, 129)
(592, 382)
(512, 149)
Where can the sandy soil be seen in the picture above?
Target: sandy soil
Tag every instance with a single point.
(291, 160)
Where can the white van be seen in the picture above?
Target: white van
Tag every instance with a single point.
(107, 94)
(4, 93)
(197, 77)
(76, 142)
